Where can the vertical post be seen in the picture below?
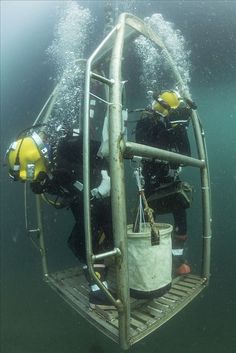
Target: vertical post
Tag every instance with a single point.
(41, 236)
(117, 186)
(86, 166)
(206, 199)
(86, 153)
(86, 175)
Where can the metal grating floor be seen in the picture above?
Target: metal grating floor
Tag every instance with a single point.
(146, 315)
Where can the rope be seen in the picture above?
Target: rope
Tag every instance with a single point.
(155, 235)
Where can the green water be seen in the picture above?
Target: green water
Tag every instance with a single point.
(33, 318)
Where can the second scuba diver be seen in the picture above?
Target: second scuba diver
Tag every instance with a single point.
(165, 126)
(59, 171)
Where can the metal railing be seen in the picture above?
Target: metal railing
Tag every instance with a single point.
(118, 150)
(128, 27)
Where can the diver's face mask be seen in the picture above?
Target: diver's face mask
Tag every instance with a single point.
(27, 158)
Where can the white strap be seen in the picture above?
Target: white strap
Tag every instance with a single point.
(177, 252)
(78, 185)
(41, 146)
(94, 287)
(178, 121)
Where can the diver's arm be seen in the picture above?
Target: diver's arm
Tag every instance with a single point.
(103, 190)
(56, 184)
(41, 184)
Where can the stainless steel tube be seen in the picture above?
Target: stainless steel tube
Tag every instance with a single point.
(136, 149)
(117, 185)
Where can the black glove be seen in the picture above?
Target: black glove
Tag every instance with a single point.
(37, 188)
(149, 109)
(191, 103)
(40, 185)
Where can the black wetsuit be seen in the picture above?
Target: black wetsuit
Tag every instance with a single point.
(69, 169)
(155, 131)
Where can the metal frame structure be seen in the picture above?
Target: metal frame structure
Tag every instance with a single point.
(119, 324)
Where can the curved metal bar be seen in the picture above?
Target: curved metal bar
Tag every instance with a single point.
(50, 101)
(206, 198)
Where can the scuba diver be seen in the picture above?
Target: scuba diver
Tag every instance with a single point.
(164, 126)
(58, 170)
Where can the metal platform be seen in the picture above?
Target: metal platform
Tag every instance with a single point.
(146, 315)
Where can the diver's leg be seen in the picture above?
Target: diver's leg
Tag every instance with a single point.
(76, 240)
(178, 242)
(101, 233)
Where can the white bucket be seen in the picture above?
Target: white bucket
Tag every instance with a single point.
(150, 266)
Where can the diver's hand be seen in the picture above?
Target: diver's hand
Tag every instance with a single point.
(37, 188)
(103, 190)
(40, 185)
(190, 103)
(149, 109)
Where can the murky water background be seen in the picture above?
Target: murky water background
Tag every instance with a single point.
(33, 318)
